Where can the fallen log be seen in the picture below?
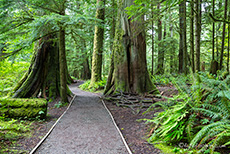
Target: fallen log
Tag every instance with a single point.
(23, 108)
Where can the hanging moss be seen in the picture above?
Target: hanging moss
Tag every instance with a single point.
(23, 108)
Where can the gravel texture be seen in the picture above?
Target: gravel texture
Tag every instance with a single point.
(85, 128)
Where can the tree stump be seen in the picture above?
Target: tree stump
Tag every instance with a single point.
(214, 67)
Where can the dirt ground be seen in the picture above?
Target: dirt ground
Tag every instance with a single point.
(136, 132)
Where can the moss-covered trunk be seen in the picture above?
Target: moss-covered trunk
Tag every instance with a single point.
(62, 62)
(42, 76)
(23, 108)
(98, 43)
(128, 71)
(62, 58)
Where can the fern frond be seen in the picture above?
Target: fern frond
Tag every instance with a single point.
(216, 141)
(204, 131)
(208, 113)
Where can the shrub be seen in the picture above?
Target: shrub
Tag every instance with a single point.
(10, 74)
(100, 85)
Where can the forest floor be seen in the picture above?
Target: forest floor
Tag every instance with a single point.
(126, 118)
(136, 132)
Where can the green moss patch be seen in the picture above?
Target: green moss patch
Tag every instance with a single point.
(23, 108)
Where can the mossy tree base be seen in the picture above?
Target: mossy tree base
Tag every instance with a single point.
(23, 108)
(128, 70)
(43, 76)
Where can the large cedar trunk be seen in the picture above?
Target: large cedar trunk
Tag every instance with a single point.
(128, 71)
(62, 59)
(63, 66)
(42, 76)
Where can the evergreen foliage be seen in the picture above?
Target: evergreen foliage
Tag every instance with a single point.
(10, 74)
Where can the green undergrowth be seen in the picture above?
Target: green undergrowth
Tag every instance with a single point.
(11, 131)
(60, 104)
(167, 149)
(198, 117)
(10, 74)
(168, 79)
(97, 86)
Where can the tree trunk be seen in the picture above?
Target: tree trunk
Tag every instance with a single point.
(228, 40)
(217, 44)
(181, 50)
(85, 72)
(197, 33)
(62, 59)
(152, 71)
(185, 39)
(98, 43)
(113, 26)
(164, 43)
(172, 51)
(192, 36)
(223, 35)
(43, 73)
(62, 62)
(213, 62)
(183, 43)
(213, 31)
(214, 67)
(128, 71)
(160, 61)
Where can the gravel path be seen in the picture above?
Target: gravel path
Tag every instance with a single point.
(86, 128)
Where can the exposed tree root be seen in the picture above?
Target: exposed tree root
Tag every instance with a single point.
(132, 100)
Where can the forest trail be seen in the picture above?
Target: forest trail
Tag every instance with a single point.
(86, 128)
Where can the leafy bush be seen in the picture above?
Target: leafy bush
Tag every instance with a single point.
(10, 74)
(100, 85)
(199, 115)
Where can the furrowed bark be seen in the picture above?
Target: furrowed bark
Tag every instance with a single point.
(128, 71)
